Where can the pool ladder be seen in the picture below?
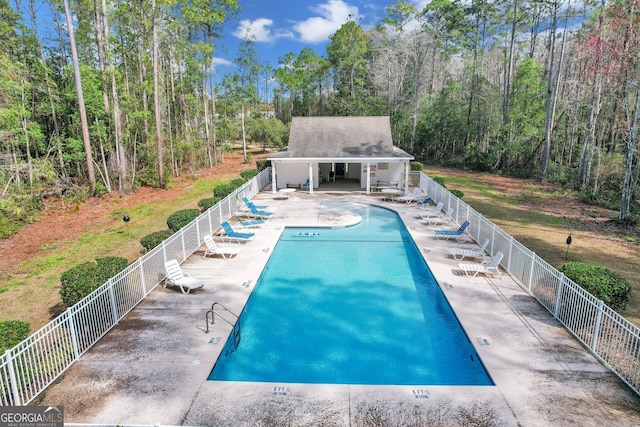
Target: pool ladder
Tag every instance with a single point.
(235, 325)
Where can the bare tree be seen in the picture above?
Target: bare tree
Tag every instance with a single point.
(81, 107)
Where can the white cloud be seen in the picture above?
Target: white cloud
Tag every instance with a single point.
(333, 15)
(260, 31)
(217, 62)
(222, 61)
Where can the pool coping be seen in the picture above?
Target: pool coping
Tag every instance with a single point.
(152, 368)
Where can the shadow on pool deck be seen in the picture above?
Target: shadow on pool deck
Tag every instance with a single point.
(152, 368)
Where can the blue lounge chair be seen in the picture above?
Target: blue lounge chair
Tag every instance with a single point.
(231, 234)
(249, 203)
(424, 203)
(459, 234)
(253, 211)
(250, 223)
(305, 186)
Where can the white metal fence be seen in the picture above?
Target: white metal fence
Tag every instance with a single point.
(28, 368)
(31, 366)
(610, 337)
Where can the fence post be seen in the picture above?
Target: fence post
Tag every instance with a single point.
(533, 265)
(596, 330)
(164, 251)
(12, 378)
(74, 333)
(142, 278)
(510, 252)
(209, 214)
(493, 237)
(112, 298)
(558, 294)
(184, 249)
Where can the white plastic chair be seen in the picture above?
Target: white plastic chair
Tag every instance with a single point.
(491, 269)
(175, 277)
(214, 249)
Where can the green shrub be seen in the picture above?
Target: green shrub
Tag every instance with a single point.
(8, 228)
(152, 240)
(416, 166)
(249, 173)
(205, 204)
(262, 164)
(223, 190)
(604, 199)
(237, 182)
(180, 218)
(81, 280)
(12, 333)
(457, 193)
(604, 284)
(439, 180)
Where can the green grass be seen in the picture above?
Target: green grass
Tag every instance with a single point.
(117, 238)
(468, 183)
(43, 264)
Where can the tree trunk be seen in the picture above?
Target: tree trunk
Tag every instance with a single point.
(205, 103)
(552, 93)
(510, 64)
(156, 97)
(244, 137)
(121, 158)
(631, 139)
(81, 107)
(52, 106)
(214, 122)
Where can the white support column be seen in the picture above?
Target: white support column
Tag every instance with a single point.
(406, 177)
(274, 190)
(368, 177)
(310, 178)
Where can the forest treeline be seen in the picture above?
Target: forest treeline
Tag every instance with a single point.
(126, 93)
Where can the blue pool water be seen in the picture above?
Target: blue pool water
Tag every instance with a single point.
(356, 305)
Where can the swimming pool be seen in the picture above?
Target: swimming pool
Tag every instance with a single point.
(355, 305)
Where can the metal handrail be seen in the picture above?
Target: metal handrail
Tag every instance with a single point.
(235, 325)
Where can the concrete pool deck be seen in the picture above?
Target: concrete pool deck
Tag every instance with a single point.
(152, 368)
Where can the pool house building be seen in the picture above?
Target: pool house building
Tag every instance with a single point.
(340, 149)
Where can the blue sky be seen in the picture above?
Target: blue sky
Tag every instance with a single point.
(282, 26)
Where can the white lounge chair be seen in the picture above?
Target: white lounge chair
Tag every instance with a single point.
(491, 269)
(448, 217)
(214, 249)
(175, 277)
(433, 212)
(411, 197)
(462, 253)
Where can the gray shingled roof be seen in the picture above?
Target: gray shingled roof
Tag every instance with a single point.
(341, 138)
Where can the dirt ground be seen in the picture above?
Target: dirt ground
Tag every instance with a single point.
(595, 237)
(59, 224)
(542, 217)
